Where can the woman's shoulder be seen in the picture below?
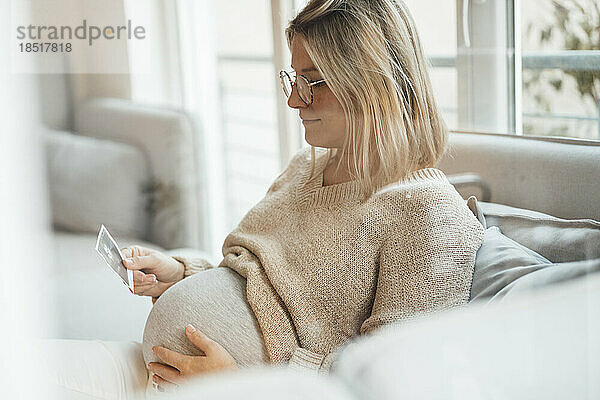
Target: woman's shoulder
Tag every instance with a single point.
(425, 196)
(425, 191)
(420, 185)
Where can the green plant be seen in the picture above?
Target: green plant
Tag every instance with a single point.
(575, 25)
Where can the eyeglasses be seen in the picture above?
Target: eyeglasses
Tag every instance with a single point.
(304, 86)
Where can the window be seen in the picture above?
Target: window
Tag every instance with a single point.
(520, 67)
(439, 39)
(561, 67)
(248, 95)
(216, 61)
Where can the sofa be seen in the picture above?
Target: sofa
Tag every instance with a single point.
(129, 167)
(530, 330)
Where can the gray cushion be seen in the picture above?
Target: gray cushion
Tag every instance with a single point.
(499, 262)
(548, 274)
(93, 182)
(559, 240)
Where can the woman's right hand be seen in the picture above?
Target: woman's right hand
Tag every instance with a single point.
(153, 271)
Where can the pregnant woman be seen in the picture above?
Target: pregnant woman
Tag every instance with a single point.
(359, 231)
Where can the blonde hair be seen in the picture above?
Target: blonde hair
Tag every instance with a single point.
(370, 55)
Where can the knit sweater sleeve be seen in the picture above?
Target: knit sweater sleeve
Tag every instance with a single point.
(426, 263)
(306, 360)
(192, 265)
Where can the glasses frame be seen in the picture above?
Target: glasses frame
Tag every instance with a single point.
(283, 74)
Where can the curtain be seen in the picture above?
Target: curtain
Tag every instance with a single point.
(218, 61)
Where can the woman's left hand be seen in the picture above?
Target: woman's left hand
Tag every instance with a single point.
(178, 368)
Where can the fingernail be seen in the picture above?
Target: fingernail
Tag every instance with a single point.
(128, 261)
(154, 349)
(190, 328)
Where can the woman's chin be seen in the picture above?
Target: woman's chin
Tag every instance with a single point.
(321, 135)
(313, 137)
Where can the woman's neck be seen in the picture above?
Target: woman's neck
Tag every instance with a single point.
(334, 176)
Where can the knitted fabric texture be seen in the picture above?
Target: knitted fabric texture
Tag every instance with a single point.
(323, 266)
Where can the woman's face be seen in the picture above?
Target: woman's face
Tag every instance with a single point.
(324, 121)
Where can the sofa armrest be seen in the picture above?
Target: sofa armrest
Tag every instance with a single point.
(555, 176)
(461, 181)
(166, 138)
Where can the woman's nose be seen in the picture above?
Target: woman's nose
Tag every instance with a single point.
(294, 101)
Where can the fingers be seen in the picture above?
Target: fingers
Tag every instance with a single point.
(163, 384)
(138, 257)
(151, 289)
(165, 372)
(200, 340)
(135, 250)
(143, 290)
(140, 278)
(146, 289)
(141, 262)
(170, 357)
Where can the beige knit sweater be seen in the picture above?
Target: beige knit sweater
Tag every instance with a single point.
(323, 267)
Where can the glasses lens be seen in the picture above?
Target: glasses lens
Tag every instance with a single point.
(303, 89)
(286, 83)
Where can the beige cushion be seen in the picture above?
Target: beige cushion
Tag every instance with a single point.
(93, 182)
(165, 137)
